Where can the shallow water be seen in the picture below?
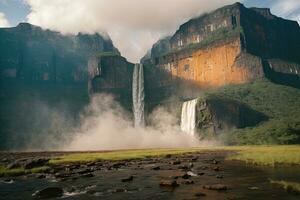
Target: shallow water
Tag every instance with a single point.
(244, 182)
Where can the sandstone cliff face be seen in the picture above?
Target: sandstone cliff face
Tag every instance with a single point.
(228, 46)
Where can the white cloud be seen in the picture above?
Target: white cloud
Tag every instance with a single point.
(3, 21)
(133, 25)
(287, 8)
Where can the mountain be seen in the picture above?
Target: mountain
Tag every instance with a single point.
(44, 74)
(231, 45)
(231, 60)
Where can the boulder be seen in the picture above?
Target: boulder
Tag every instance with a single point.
(50, 192)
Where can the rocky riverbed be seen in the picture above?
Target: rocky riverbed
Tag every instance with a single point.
(205, 175)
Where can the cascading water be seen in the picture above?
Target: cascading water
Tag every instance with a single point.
(188, 117)
(138, 95)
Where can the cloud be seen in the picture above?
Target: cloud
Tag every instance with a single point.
(287, 8)
(133, 25)
(3, 21)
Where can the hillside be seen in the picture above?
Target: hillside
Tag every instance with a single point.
(278, 103)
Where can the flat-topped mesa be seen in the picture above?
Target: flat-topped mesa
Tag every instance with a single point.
(230, 45)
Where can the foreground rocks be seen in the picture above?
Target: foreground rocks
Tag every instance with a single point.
(51, 192)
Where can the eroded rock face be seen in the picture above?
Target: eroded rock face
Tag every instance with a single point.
(227, 46)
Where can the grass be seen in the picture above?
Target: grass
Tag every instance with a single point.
(119, 155)
(267, 155)
(292, 187)
(281, 104)
(258, 155)
(21, 171)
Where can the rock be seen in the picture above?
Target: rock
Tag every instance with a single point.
(219, 176)
(118, 165)
(8, 181)
(13, 165)
(120, 190)
(187, 182)
(200, 194)
(216, 169)
(215, 187)
(88, 175)
(176, 162)
(253, 188)
(51, 192)
(215, 162)
(185, 176)
(41, 176)
(128, 179)
(168, 183)
(192, 173)
(32, 163)
(156, 168)
(201, 173)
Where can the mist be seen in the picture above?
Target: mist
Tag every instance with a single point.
(133, 25)
(106, 125)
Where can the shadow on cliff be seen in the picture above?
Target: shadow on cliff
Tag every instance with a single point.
(280, 78)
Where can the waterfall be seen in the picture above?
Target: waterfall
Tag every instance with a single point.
(188, 117)
(138, 95)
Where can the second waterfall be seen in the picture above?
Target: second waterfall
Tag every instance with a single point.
(138, 95)
(188, 117)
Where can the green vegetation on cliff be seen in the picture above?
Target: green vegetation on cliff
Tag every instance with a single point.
(281, 104)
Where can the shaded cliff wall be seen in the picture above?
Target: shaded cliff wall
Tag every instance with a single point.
(46, 79)
(113, 75)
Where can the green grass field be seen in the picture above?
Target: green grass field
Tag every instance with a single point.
(258, 155)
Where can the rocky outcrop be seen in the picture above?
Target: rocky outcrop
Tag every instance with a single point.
(227, 46)
(30, 53)
(45, 79)
(216, 115)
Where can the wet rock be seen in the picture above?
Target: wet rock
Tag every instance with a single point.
(156, 168)
(185, 176)
(84, 171)
(13, 165)
(216, 169)
(128, 179)
(8, 181)
(219, 176)
(168, 183)
(51, 192)
(184, 167)
(200, 194)
(118, 190)
(215, 187)
(215, 162)
(253, 188)
(118, 165)
(40, 176)
(33, 163)
(187, 182)
(192, 173)
(176, 162)
(88, 175)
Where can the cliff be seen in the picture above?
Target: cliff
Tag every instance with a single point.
(46, 79)
(231, 45)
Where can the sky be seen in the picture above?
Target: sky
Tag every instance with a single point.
(133, 25)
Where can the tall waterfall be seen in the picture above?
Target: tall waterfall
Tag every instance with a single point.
(138, 95)
(188, 117)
